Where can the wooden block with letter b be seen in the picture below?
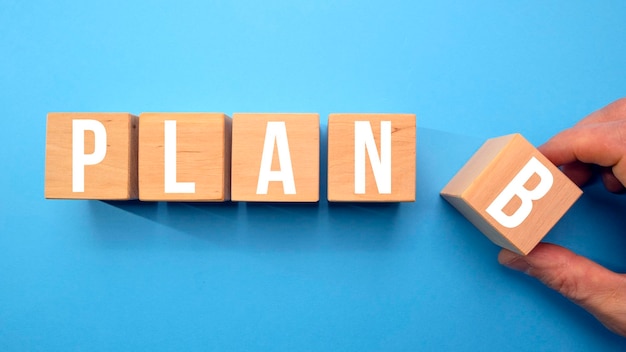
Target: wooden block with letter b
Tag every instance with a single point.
(371, 157)
(511, 193)
(184, 157)
(275, 158)
(91, 156)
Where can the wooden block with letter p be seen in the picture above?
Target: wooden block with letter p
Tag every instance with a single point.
(91, 156)
(511, 193)
(371, 157)
(184, 157)
(275, 157)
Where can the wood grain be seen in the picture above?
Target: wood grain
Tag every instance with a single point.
(249, 131)
(202, 156)
(341, 158)
(485, 176)
(115, 178)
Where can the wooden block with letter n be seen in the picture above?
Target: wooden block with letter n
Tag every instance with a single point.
(371, 157)
(184, 157)
(275, 157)
(91, 156)
(511, 193)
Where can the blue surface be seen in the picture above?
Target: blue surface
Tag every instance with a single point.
(97, 276)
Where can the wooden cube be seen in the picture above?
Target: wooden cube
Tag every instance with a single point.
(184, 157)
(511, 193)
(275, 158)
(91, 156)
(371, 157)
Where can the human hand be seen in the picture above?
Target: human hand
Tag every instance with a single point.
(595, 145)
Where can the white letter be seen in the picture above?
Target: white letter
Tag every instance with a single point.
(381, 166)
(171, 185)
(276, 131)
(79, 158)
(516, 188)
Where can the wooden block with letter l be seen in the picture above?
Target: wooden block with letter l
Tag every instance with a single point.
(275, 157)
(371, 157)
(184, 157)
(91, 156)
(511, 193)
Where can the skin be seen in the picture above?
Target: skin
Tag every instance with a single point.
(595, 146)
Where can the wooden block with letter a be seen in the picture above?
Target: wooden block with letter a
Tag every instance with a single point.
(275, 158)
(184, 157)
(371, 157)
(511, 193)
(91, 156)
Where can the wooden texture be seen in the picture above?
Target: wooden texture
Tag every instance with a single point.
(113, 178)
(303, 137)
(202, 156)
(484, 177)
(341, 158)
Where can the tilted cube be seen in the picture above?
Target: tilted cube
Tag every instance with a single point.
(511, 193)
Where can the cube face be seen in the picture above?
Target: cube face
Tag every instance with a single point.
(193, 164)
(275, 157)
(91, 156)
(351, 161)
(512, 193)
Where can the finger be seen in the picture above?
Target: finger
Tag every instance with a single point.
(579, 173)
(600, 144)
(612, 112)
(611, 183)
(593, 287)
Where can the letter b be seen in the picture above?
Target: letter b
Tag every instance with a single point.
(517, 188)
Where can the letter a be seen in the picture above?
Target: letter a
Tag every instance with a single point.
(516, 188)
(276, 134)
(381, 165)
(169, 145)
(79, 158)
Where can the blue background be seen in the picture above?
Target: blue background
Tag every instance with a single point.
(98, 276)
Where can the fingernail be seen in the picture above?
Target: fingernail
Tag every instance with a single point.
(513, 261)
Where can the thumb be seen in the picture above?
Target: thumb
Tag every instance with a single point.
(598, 290)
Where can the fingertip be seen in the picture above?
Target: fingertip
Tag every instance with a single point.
(611, 183)
(558, 148)
(544, 255)
(579, 173)
(548, 253)
(506, 256)
(513, 260)
(548, 149)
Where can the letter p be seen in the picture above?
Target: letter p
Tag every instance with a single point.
(79, 158)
